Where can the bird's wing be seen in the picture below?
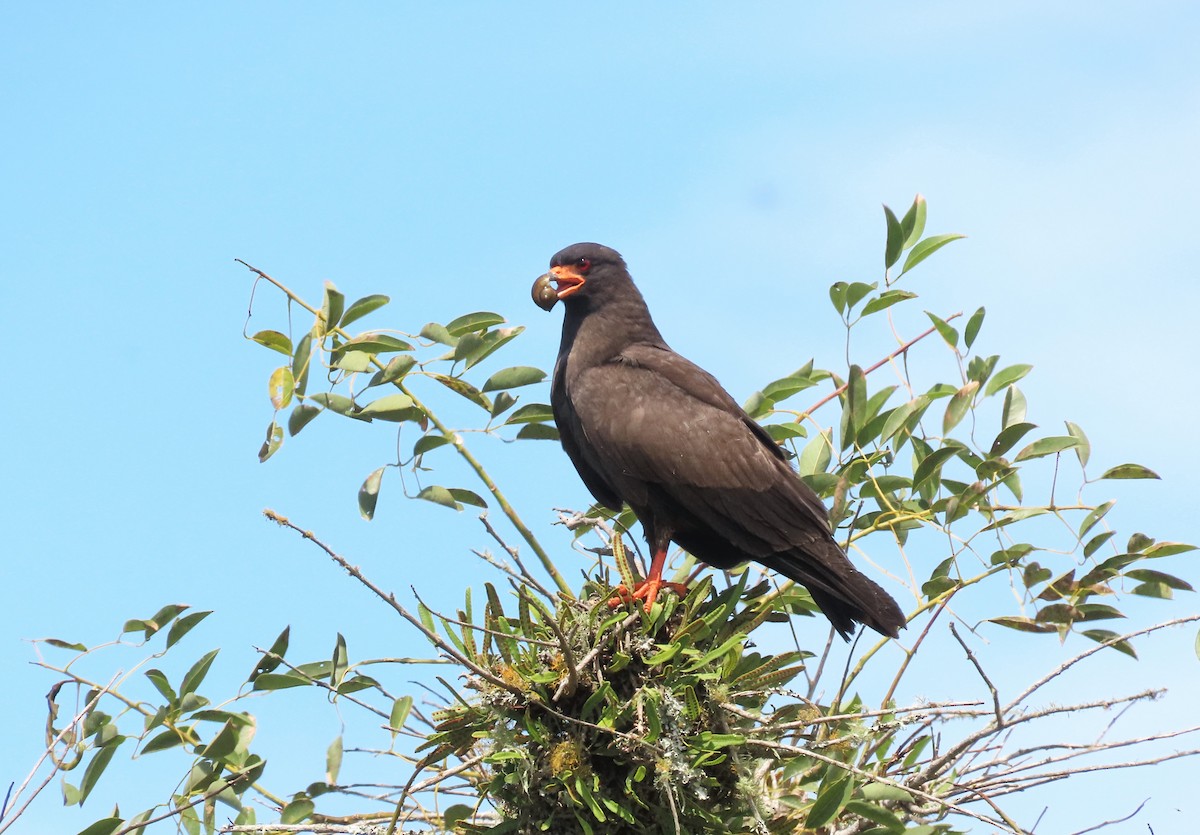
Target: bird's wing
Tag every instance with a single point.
(570, 433)
(651, 421)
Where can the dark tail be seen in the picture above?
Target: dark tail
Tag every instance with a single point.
(844, 594)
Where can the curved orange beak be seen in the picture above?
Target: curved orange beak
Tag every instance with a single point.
(568, 278)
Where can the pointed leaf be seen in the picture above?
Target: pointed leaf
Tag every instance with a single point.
(1046, 446)
(1083, 449)
(362, 307)
(391, 407)
(332, 306)
(1006, 377)
(895, 242)
(280, 387)
(183, 626)
(946, 331)
(957, 408)
(272, 443)
(531, 413)
(368, 494)
(511, 378)
(973, 325)
(396, 368)
(473, 322)
(439, 495)
(275, 341)
(926, 248)
(1129, 471)
(885, 300)
(538, 432)
(913, 222)
(300, 417)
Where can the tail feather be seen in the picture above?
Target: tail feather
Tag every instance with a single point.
(843, 593)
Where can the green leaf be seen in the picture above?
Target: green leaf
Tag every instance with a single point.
(467, 497)
(439, 495)
(1101, 636)
(531, 413)
(829, 802)
(1006, 377)
(183, 626)
(353, 362)
(837, 295)
(362, 307)
(372, 343)
(1129, 471)
(957, 408)
(95, 768)
(301, 361)
(300, 417)
(339, 662)
(104, 826)
(857, 291)
(1046, 446)
(885, 300)
(1146, 575)
(279, 681)
(368, 494)
(1008, 438)
(913, 222)
(396, 368)
(515, 377)
(332, 306)
(391, 407)
(196, 674)
(538, 432)
(159, 679)
(280, 387)
(817, 454)
(1014, 407)
(400, 710)
(491, 342)
(297, 811)
(1167, 549)
(462, 387)
(274, 656)
(170, 738)
(333, 761)
(502, 403)
(337, 403)
(428, 442)
(1024, 624)
(946, 331)
(438, 333)
(926, 248)
(895, 243)
(1083, 449)
(931, 465)
(973, 325)
(473, 322)
(275, 341)
(272, 443)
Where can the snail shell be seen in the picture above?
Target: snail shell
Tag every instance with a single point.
(544, 294)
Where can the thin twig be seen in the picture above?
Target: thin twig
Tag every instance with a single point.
(979, 668)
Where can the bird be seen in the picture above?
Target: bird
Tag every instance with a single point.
(646, 427)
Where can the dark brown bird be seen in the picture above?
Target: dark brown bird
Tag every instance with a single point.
(645, 426)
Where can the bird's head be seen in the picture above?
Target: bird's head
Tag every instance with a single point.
(582, 270)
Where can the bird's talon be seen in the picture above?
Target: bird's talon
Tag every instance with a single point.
(645, 590)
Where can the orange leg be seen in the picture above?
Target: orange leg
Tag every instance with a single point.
(648, 589)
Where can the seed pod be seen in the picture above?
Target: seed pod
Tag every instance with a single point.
(544, 294)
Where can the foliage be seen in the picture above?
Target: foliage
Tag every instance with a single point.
(572, 716)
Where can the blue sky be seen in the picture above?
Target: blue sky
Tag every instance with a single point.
(737, 156)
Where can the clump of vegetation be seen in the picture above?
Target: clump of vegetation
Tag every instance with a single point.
(569, 715)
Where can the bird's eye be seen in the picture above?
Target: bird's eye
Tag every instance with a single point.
(584, 264)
